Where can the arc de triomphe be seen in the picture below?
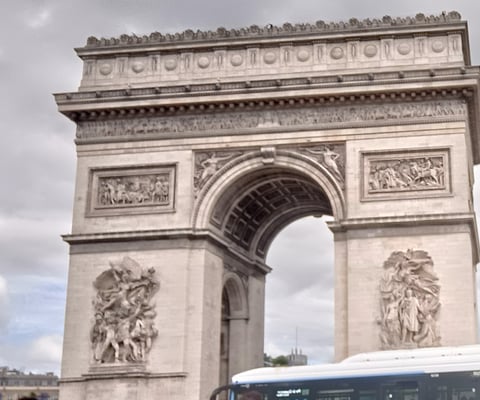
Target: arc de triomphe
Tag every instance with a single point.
(196, 149)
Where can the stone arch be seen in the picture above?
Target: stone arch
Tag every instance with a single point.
(321, 193)
(235, 288)
(235, 314)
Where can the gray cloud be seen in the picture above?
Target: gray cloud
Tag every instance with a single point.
(4, 305)
(299, 292)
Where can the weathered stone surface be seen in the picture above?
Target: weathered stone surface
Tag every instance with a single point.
(191, 160)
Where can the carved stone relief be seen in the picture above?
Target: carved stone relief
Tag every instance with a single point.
(233, 122)
(331, 156)
(123, 329)
(409, 301)
(136, 189)
(207, 164)
(398, 172)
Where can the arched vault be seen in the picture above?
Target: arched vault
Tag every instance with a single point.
(249, 200)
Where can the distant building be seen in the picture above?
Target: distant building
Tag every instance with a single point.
(297, 358)
(15, 384)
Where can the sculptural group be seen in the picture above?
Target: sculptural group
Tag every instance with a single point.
(123, 328)
(409, 295)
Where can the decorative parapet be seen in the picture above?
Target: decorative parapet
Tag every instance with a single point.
(302, 48)
(270, 30)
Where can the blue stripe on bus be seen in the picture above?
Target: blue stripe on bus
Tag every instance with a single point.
(326, 377)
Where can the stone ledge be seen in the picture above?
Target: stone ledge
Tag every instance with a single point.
(312, 81)
(398, 221)
(124, 375)
(164, 234)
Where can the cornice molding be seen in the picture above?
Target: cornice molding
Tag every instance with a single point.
(410, 221)
(399, 221)
(218, 96)
(102, 238)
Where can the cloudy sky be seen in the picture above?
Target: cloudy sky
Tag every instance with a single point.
(37, 160)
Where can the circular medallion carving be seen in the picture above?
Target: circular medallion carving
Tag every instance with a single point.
(370, 50)
(269, 57)
(203, 62)
(404, 48)
(303, 55)
(105, 68)
(170, 64)
(438, 46)
(336, 53)
(236, 60)
(138, 66)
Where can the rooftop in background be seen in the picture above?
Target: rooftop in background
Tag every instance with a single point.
(15, 377)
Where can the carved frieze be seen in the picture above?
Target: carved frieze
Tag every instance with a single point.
(409, 301)
(239, 122)
(207, 163)
(123, 328)
(406, 173)
(131, 190)
(331, 156)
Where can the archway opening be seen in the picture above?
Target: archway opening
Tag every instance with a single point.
(248, 215)
(299, 300)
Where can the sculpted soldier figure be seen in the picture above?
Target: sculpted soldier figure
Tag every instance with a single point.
(124, 318)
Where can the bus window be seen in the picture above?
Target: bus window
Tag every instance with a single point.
(292, 393)
(250, 395)
(464, 394)
(367, 395)
(401, 391)
(440, 393)
(335, 394)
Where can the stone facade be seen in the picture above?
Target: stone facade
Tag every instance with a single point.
(196, 149)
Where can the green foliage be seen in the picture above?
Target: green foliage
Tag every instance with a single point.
(279, 361)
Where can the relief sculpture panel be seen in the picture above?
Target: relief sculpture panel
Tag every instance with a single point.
(406, 173)
(331, 156)
(123, 329)
(135, 190)
(207, 164)
(409, 300)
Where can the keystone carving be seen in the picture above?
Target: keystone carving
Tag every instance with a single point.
(123, 329)
(409, 301)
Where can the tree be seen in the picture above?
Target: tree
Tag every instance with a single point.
(280, 361)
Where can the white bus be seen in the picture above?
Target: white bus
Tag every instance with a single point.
(442, 373)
